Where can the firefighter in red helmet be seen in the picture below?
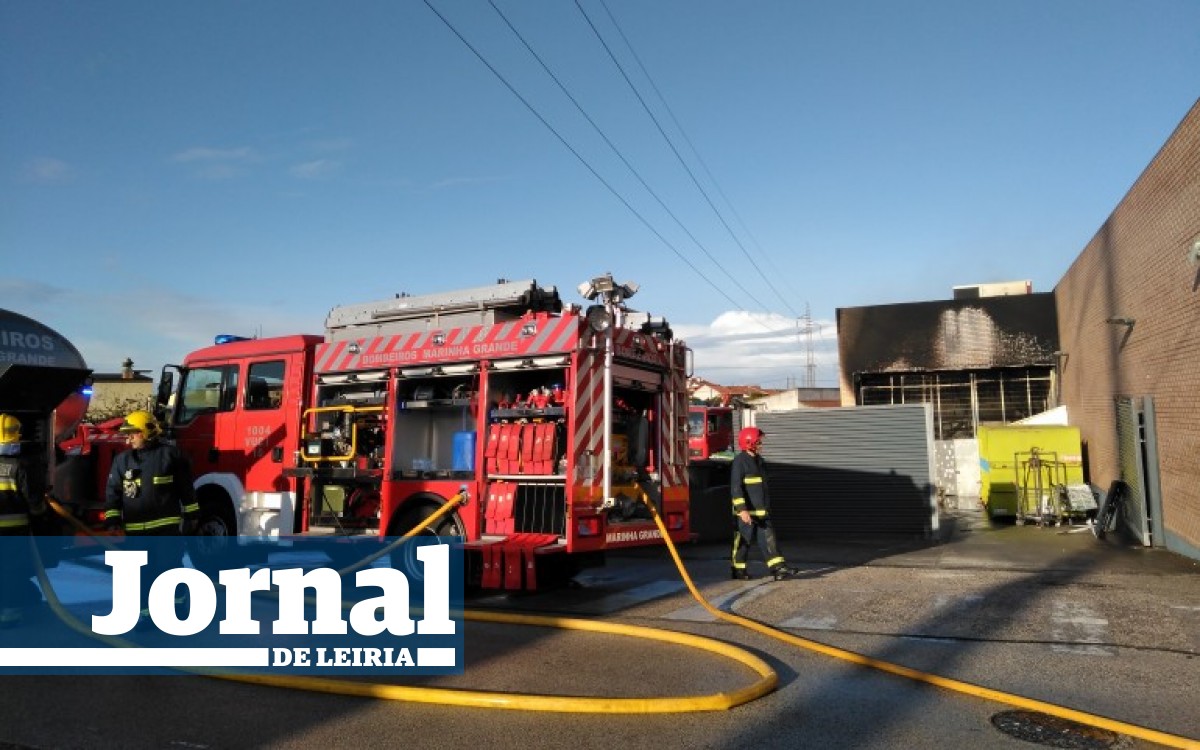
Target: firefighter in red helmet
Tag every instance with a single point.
(752, 509)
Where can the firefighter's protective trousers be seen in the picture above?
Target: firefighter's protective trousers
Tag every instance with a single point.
(760, 532)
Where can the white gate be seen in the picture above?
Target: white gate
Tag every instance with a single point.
(958, 472)
(1137, 448)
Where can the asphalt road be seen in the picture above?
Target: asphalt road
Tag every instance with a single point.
(1051, 614)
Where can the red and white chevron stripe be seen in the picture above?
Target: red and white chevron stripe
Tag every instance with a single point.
(675, 404)
(589, 421)
(542, 334)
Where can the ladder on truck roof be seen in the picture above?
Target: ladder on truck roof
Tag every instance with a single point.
(484, 305)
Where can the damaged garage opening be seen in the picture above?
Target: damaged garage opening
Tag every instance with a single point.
(990, 359)
(964, 400)
(984, 360)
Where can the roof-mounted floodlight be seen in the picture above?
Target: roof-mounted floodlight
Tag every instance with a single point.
(604, 287)
(601, 318)
(590, 290)
(598, 318)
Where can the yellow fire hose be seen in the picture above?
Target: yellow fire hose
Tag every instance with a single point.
(766, 682)
(572, 704)
(978, 691)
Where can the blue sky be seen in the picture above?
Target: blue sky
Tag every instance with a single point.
(169, 171)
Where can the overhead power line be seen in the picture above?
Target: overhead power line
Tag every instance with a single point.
(562, 87)
(576, 154)
(700, 159)
(679, 156)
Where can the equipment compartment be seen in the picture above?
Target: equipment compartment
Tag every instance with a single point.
(433, 414)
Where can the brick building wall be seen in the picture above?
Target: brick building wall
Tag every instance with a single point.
(1137, 266)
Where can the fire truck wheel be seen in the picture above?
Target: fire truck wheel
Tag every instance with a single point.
(447, 526)
(407, 519)
(213, 545)
(212, 524)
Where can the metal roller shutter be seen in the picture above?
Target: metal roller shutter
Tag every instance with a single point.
(860, 470)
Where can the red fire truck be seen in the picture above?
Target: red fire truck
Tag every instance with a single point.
(557, 422)
(710, 431)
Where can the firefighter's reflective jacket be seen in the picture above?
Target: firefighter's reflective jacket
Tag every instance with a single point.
(14, 496)
(748, 486)
(150, 490)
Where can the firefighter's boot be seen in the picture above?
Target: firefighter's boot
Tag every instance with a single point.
(784, 571)
(739, 574)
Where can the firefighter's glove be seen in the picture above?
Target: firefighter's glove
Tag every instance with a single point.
(112, 526)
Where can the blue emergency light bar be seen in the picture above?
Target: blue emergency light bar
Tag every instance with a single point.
(228, 338)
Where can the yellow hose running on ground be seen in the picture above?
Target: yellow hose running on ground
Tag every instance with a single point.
(766, 682)
(573, 704)
(978, 691)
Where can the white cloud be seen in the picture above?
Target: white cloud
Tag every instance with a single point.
(737, 348)
(217, 164)
(49, 171)
(332, 144)
(315, 169)
(747, 348)
(454, 182)
(200, 153)
(218, 172)
(159, 329)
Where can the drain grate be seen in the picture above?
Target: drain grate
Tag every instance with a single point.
(1052, 731)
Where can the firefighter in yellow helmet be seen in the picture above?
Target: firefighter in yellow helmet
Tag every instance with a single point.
(149, 493)
(149, 487)
(17, 503)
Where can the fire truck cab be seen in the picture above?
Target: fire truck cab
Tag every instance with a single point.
(234, 409)
(559, 425)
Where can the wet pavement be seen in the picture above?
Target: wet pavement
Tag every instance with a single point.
(966, 538)
(1052, 614)
(979, 581)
